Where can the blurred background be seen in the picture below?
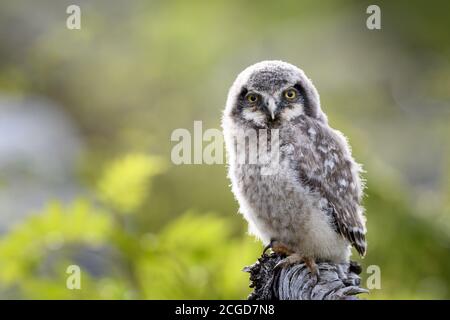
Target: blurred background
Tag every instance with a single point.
(86, 117)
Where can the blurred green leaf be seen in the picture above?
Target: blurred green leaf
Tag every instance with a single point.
(125, 182)
(56, 226)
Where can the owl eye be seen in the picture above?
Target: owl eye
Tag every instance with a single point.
(252, 98)
(290, 94)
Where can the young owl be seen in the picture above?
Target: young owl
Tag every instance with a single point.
(310, 207)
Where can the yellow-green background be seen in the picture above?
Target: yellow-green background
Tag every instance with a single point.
(137, 70)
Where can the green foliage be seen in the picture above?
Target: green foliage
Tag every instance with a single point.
(194, 256)
(126, 182)
(411, 251)
(23, 249)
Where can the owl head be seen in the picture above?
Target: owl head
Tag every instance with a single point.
(270, 92)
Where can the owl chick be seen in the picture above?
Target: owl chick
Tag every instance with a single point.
(310, 208)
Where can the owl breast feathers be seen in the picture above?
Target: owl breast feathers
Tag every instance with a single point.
(312, 202)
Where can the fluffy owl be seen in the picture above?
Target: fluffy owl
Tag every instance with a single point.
(310, 208)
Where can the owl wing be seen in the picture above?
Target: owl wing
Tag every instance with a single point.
(327, 168)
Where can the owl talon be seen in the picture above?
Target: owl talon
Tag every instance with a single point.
(281, 264)
(289, 260)
(295, 258)
(312, 266)
(269, 246)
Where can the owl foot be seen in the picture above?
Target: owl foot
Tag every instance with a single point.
(278, 248)
(296, 258)
(312, 266)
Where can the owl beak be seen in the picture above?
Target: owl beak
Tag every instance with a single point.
(272, 108)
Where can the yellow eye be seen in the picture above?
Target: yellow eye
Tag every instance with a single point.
(290, 94)
(252, 98)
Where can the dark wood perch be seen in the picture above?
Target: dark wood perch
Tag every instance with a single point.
(336, 281)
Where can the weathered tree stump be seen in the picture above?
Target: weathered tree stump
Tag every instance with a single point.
(295, 282)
